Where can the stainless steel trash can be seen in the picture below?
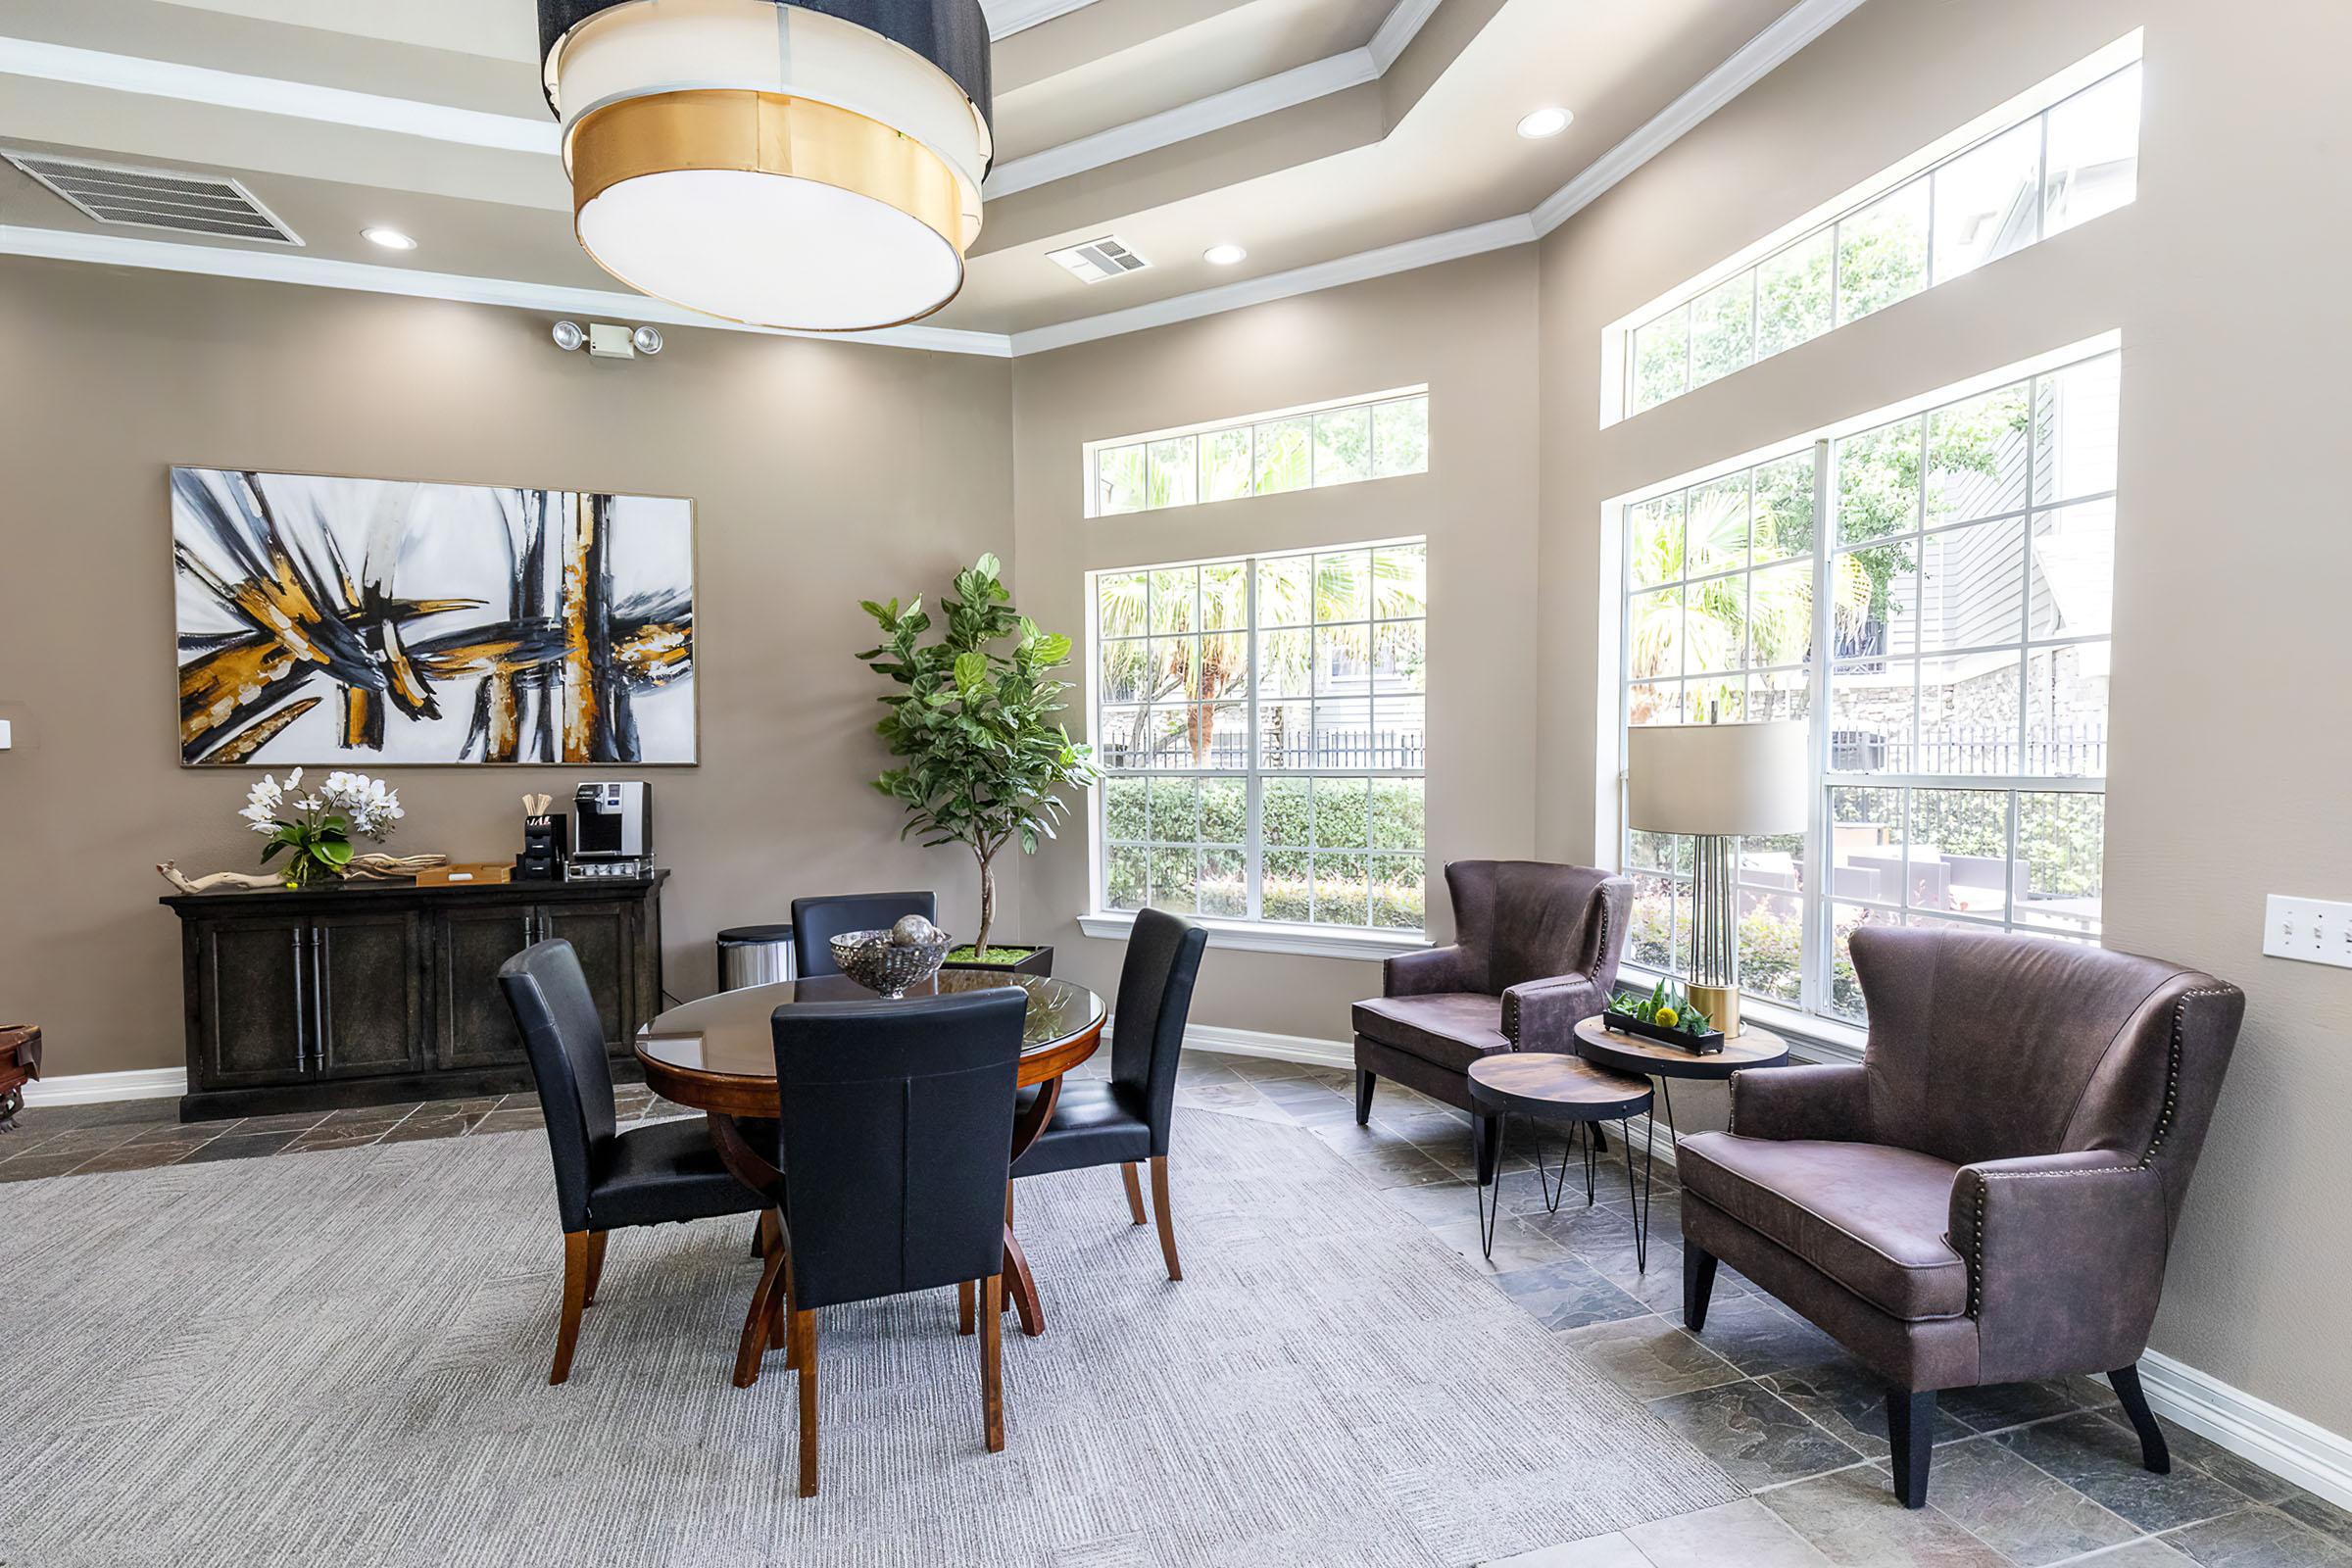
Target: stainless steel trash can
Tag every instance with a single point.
(754, 956)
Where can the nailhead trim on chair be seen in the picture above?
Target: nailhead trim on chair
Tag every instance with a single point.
(2164, 1125)
(2172, 1071)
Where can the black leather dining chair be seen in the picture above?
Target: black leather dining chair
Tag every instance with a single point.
(898, 1129)
(606, 1179)
(1128, 1119)
(816, 921)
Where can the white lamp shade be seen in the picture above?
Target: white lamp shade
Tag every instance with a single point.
(1746, 780)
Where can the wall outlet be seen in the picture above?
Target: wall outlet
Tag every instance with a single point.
(2313, 930)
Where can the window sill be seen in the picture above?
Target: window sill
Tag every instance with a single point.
(1813, 1038)
(1299, 941)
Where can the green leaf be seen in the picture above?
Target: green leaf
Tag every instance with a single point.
(1052, 649)
(988, 566)
(334, 852)
(971, 670)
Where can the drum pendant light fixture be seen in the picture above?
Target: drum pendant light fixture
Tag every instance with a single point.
(812, 166)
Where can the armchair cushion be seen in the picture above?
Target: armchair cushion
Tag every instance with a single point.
(1451, 1029)
(1868, 1217)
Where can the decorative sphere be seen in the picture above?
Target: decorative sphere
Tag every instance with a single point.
(911, 931)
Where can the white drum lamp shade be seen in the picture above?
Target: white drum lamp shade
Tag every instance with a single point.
(1735, 780)
(771, 163)
(1717, 783)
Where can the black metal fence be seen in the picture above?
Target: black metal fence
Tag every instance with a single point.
(1402, 750)
(2066, 752)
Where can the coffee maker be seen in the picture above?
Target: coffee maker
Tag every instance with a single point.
(611, 833)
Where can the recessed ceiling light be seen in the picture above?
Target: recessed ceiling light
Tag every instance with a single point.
(1224, 256)
(1545, 123)
(391, 239)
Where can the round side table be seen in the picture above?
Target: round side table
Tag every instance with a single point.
(1546, 1086)
(1604, 1047)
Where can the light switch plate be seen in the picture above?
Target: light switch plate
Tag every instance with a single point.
(2314, 930)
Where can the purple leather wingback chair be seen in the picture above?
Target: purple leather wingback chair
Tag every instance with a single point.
(1534, 952)
(1989, 1197)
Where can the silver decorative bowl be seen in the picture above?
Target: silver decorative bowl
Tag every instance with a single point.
(870, 958)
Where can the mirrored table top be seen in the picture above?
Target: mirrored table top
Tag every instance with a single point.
(729, 1033)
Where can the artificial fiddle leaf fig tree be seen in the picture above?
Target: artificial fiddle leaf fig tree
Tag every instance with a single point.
(973, 724)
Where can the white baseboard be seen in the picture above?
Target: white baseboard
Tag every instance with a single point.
(94, 1088)
(2255, 1429)
(1271, 1047)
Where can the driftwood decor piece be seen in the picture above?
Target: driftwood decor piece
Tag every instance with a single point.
(363, 868)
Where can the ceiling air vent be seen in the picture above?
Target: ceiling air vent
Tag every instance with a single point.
(157, 198)
(1098, 259)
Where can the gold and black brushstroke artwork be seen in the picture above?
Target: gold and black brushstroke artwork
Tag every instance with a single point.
(325, 619)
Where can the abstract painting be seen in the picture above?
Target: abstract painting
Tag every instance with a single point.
(324, 620)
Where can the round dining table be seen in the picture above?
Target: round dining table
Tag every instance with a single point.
(719, 1056)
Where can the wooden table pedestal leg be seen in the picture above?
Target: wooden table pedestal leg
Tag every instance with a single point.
(1020, 1285)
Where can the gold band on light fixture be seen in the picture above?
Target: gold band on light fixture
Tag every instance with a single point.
(762, 134)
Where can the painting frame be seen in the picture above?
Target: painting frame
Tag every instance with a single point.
(682, 707)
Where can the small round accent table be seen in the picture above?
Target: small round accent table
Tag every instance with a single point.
(1546, 1086)
(1604, 1047)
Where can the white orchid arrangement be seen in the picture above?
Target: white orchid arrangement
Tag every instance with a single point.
(318, 826)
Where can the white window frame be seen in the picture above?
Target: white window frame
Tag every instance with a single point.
(1093, 451)
(1250, 931)
(1812, 1019)
(1619, 364)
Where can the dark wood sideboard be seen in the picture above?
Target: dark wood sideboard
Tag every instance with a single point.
(379, 995)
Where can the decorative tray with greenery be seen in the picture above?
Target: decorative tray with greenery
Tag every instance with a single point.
(1666, 1016)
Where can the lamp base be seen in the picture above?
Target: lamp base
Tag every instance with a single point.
(1721, 1005)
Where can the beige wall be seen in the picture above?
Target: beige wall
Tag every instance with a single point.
(822, 473)
(2232, 544)
(1464, 330)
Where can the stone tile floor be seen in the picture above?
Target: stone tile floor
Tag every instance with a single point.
(2025, 1476)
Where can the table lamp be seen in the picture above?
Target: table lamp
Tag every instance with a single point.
(1717, 783)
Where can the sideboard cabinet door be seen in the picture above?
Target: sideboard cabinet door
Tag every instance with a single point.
(366, 985)
(476, 1027)
(253, 1007)
(605, 935)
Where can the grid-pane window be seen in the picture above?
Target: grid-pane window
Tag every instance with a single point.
(1933, 597)
(1372, 438)
(2061, 168)
(1261, 723)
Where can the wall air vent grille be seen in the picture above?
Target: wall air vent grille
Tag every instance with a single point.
(1098, 259)
(122, 195)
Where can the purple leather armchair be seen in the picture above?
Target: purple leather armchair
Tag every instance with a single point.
(1535, 950)
(1989, 1197)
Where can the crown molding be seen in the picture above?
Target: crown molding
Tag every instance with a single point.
(1750, 63)
(1008, 17)
(318, 271)
(1235, 106)
(1410, 256)
(269, 95)
(1252, 100)
(1397, 30)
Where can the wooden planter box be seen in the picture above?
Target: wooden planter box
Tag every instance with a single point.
(1706, 1045)
(1036, 961)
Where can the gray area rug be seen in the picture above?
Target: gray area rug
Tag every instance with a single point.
(341, 1358)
